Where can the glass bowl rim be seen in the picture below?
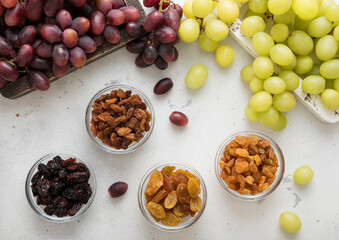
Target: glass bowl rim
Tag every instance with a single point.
(32, 201)
(147, 215)
(280, 171)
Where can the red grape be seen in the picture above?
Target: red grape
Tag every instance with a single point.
(64, 19)
(14, 15)
(136, 46)
(179, 10)
(116, 17)
(52, 7)
(87, 10)
(81, 25)
(24, 55)
(39, 80)
(165, 34)
(44, 50)
(34, 10)
(97, 21)
(163, 86)
(104, 6)
(61, 71)
(160, 63)
(117, 189)
(3, 82)
(150, 54)
(8, 72)
(8, 3)
(178, 118)
(135, 29)
(12, 34)
(98, 39)
(77, 3)
(27, 35)
(41, 63)
(171, 19)
(139, 61)
(111, 34)
(153, 20)
(116, 4)
(51, 33)
(60, 54)
(166, 52)
(150, 3)
(87, 44)
(70, 37)
(132, 14)
(5, 46)
(2, 9)
(36, 43)
(77, 57)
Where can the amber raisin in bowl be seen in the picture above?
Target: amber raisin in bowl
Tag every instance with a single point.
(188, 220)
(246, 187)
(80, 209)
(108, 142)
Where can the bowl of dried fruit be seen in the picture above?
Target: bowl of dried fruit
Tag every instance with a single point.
(119, 119)
(249, 165)
(172, 196)
(60, 187)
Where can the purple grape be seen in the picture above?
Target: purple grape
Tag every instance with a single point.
(160, 63)
(39, 80)
(60, 54)
(150, 54)
(3, 82)
(77, 57)
(70, 37)
(81, 25)
(132, 14)
(98, 39)
(153, 20)
(51, 33)
(87, 10)
(87, 44)
(104, 6)
(166, 52)
(12, 35)
(24, 55)
(135, 29)
(139, 61)
(27, 35)
(111, 34)
(61, 71)
(14, 15)
(36, 43)
(165, 34)
(64, 19)
(116, 4)
(77, 3)
(44, 50)
(117, 189)
(5, 46)
(52, 7)
(8, 72)
(34, 10)
(163, 86)
(172, 19)
(41, 63)
(136, 46)
(116, 17)
(97, 21)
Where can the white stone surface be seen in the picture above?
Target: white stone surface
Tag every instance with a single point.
(53, 121)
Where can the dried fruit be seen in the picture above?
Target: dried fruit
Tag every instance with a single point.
(170, 219)
(195, 204)
(117, 189)
(182, 193)
(156, 210)
(160, 196)
(178, 210)
(171, 200)
(193, 187)
(155, 182)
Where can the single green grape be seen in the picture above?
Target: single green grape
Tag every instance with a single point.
(251, 115)
(278, 7)
(263, 67)
(330, 99)
(258, 6)
(319, 27)
(189, 30)
(252, 25)
(291, 65)
(305, 9)
(336, 84)
(256, 84)
(300, 43)
(322, 7)
(286, 18)
(261, 101)
(291, 79)
(284, 102)
(269, 118)
(274, 85)
(303, 174)
(279, 32)
(224, 55)
(262, 43)
(313, 84)
(330, 69)
(304, 64)
(336, 33)
(201, 8)
(212, 15)
(290, 222)
(282, 123)
(332, 12)
(207, 44)
(187, 9)
(326, 48)
(247, 73)
(281, 54)
(228, 11)
(216, 30)
(196, 76)
(300, 24)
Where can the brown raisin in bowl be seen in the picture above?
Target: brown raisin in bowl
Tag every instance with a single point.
(119, 119)
(155, 194)
(60, 187)
(249, 165)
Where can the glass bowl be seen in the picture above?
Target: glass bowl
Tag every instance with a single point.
(279, 174)
(39, 209)
(188, 221)
(134, 145)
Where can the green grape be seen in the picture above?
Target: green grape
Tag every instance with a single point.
(187, 9)
(274, 85)
(262, 43)
(279, 32)
(303, 174)
(336, 84)
(326, 48)
(336, 33)
(269, 118)
(207, 44)
(290, 222)
(214, 4)
(305, 9)
(291, 65)
(216, 30)
(300, 24)
(252, 25)
(250, 13)
(330, 99)
(251, 115)
(300, 43)
(201, 8)
(224, 55)
(261, 101)
(247, 73)
(319, 27)
(329, 84)
(313, 84)
(189, 30)
(284, 102)
(332, 12)
(304, 65)
(281, 54)
(286, 18)
(330, 69)
(278, 7)
(291, 80)
(228, 11)
(263, 67)
(258, 6)
(323, 5)
(256, 84)
(282, 123)
(212, 15)
(196, 76)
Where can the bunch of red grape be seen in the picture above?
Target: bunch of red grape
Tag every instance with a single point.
(161, 25)
(40, 36)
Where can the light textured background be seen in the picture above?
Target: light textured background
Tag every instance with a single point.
(53, 121)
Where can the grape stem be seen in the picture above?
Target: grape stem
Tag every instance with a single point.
(27, 70)
(161, 3)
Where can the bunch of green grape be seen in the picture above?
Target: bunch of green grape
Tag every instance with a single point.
(304, 41)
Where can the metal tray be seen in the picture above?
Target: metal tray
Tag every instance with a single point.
(22, 86)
